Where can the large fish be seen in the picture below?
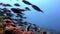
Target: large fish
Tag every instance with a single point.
(26, 2)
(36, 8)
(17, 10)
(16, 4)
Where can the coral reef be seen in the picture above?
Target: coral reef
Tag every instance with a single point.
(8, 27)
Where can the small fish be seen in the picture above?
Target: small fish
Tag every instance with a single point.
(14, 19)
(11, 0)
(25, 23)
(26, 2)
(1, 3)
(21, 16)
(5, 10)
(35, 28)
(1, 13)
(28, 27)
(37, 8)
(45, 32)
(19, 21)
(34, 24)
(17, 0)
(17, 10)
(27, 8)
(6, 5)
(16, 4)
(9, 14)
(25, 17)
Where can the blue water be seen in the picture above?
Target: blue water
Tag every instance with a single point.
(49, 19)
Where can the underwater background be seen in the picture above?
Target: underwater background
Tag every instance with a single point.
(49, 19)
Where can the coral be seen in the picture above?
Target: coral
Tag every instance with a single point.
(1, 29)
(10, 28)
